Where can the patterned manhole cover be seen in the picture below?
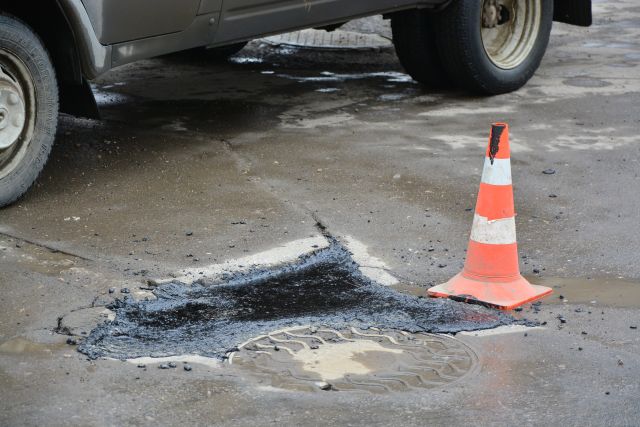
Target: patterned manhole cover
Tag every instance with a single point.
(337, 39)
(311, 359)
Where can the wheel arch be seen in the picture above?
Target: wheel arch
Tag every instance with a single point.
(50, 23)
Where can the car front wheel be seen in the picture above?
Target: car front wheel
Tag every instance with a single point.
(28, 108)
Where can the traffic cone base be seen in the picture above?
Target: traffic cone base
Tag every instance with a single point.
(504, 295)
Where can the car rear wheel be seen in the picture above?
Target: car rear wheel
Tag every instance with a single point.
(28, 108)
(493, 46)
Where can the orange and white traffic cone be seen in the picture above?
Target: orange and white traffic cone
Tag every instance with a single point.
(491, 275)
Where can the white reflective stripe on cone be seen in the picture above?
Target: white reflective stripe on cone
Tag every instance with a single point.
(498, 173)
(495, 232)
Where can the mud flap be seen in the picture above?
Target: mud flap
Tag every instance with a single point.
(575, 12)
(78, 100)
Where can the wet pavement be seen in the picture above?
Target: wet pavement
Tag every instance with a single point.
(197, 165)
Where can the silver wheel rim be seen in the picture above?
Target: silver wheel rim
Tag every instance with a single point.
(17, 111)
(509, 29)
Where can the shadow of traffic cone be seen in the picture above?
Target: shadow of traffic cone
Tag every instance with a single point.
(491, 275)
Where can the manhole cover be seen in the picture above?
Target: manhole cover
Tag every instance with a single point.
(337, 39)
(311, 359)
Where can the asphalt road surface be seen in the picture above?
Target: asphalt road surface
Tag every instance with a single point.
(197, 163)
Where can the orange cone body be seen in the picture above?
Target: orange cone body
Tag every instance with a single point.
(491, 275)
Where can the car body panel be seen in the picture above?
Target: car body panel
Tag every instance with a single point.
(244, 19)
(199, 33)
(116, 21)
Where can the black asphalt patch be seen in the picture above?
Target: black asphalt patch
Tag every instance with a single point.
(324, 288)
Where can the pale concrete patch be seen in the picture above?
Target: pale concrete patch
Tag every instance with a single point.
(500, 330)
(335, 360)
(370, 266)
(287, 252)
(188, 358)
(81, 322)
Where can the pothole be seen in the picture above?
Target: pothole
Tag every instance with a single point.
(378, 361)
(326, 289)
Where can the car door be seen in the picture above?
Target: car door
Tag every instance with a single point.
(116, 21)
(245, 19)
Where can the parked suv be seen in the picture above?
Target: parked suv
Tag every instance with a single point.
(50, 50)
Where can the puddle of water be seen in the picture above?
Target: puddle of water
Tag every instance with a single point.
(324, 288)
(328, 89)
(21, 345)
(608, 291)
(37, 258)
(588, 82)
(327, 76)
(105, 97)
(245, 60)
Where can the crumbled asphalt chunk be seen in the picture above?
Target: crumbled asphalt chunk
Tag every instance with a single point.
(536, 271)
(633, 327)
(71, 341)
(553, 196)
(607, 393)
(579, 348)
(124, 291)
(325, 386)
(112, 290)
(172, 364)
(325, 289)
(163, 366)
(188, 233)
(620, 362)
(560, 296)
(583, 333)
(549, 171)
(141, 365)
(276, 348)
(442, 265)
(187, 367)
(562, 319)
(517, 309)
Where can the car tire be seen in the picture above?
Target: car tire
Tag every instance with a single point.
(493, 57)
(28, 108)
(415, 44)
